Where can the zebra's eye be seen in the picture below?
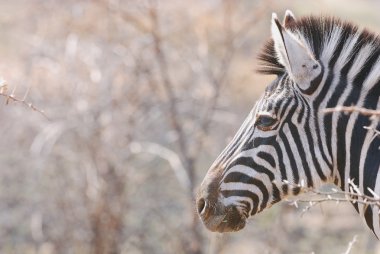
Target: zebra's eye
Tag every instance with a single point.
(265, 122)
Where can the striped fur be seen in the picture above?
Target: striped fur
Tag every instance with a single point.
(305, 145)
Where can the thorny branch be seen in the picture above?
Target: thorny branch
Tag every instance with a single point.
(11, 98)
(354, 195)
(351, 109)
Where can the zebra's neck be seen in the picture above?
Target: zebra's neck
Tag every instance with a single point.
(351, 78)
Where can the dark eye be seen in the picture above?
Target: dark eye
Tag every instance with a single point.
(264, 122)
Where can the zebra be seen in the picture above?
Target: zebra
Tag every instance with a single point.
(287, 140)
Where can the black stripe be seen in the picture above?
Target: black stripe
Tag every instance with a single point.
(357, 140)
(284, 108)
(228, 154)
(249, 144)
(243, 193)
(249, 162)
(302, 112)
(278, 106)
(289, 152)
(371, 167)
(247, 205)
(281, 167)
(267, 157)
(298, 142)
(239, 177)
(276, 195)
(285, 188)
(368, 218)
(311, 142)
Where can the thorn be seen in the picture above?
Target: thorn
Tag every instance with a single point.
(373, 193)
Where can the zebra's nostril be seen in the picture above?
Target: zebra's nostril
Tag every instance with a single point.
(201, 206)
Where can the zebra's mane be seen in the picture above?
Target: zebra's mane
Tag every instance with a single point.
(318, 33)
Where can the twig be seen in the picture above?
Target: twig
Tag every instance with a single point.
(373, 114)
(350, 109)
(11, 97)
(376, 132)
(353, 196)
(350, 244)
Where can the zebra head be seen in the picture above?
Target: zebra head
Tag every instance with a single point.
(270, 156)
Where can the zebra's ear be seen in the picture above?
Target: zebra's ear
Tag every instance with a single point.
(289, 18)
(295, 55)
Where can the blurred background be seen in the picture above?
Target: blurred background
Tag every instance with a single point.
(140, 98)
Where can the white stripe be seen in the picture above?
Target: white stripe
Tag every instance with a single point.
(330, 44)
(251, 173)
(235, 201)
(361, 58)
(373, 77)
(296, 155)
(346, 52)
(243, 186)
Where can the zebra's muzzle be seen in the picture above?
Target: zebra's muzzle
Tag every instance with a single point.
(218, 218)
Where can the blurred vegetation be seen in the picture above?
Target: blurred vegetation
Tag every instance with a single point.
(141, 97)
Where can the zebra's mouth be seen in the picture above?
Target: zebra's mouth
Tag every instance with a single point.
(223, 220)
